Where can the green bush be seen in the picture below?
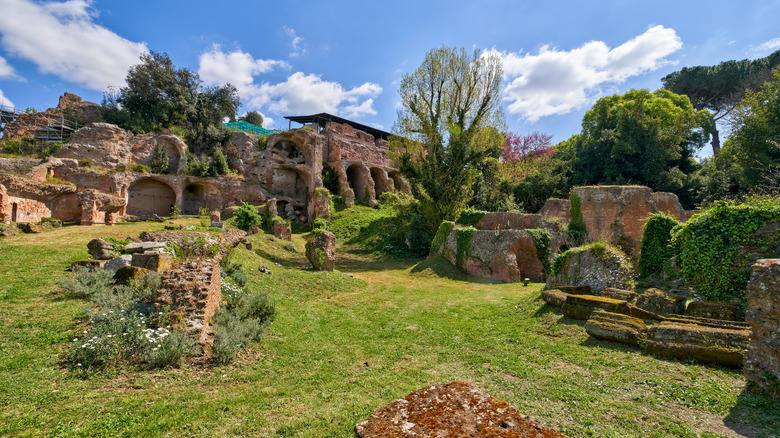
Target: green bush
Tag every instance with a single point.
(240, 320)
(140, 168)
(577, 230)
(218, 165)
(246, 216)
(320, 225)
(470, 217)
(169, 348)
(655, 254)
(191, 247)
(160, 163)
(715, 248)
(87, 282)
(330, 178)
(441, 236)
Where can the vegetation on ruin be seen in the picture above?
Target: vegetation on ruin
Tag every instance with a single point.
(655, 251)
(246, 216)
(470, 217)
(715, 248)
(542, 241)
(340, 347)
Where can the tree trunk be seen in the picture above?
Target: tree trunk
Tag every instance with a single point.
(715, 142)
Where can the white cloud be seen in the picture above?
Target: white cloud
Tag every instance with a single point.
(4, 100)
(6, 70)
(61, 38)
(299, 94)
(296, 42)
(557, 82)
(237, 68)
(766, 47)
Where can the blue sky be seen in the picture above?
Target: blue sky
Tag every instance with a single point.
(347, 57)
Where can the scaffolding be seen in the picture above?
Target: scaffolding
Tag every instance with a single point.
(248, 127)
(7, 114)
(55, 129)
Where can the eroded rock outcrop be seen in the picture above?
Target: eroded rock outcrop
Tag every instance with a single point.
(450, 410)
(321, 251)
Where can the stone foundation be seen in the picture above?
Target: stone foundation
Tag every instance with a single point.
(762, 359)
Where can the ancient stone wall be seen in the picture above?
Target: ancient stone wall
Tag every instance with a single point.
(70, 106)
(556, 209)
(343, 142)
(27, 210)
(669, 203)
(616, 214)
(762, 358)
(192, 290)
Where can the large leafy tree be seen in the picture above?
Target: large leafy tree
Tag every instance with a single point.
(753, 150)
(640, 137)
(450, 122)
(158, 96)
(719, 88)
(252, 117)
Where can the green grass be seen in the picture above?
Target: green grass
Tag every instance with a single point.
(343, 346)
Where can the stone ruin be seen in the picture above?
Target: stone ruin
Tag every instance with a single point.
(762, 359)
(659, 322)
(191, 289)
(451, 410)
(500, 248)
(617, 214)
(105, 158)
(70, 107)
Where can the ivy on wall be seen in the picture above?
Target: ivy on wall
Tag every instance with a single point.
(715, 248)
(542, 240)
(655, 254)
(470, 217)
(442, 233)
(463, 243)
(577, 230)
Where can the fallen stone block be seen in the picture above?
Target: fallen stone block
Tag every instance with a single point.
(321, 251)
(8, 230)
(118, 262)
(554, 297)
(712, 310)
(706, 344)
(581, 306)
(157, 262)
(637, 312)
(30, 228)
(616, 327)
(450, 410)
(575, 290)
(708, 322)
(660, 302)
(140, 247)
(619, 294)
(129, 275)
(99, 249)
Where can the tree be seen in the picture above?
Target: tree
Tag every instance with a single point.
(719, 88)
(450, 121)
(252, 117)
(160, 163)
(159, 96)
(638, 138)
(754, 146)
(524, 154)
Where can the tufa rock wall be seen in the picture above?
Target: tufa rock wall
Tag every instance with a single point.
(762, 358)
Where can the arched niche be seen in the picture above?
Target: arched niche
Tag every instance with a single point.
(398, 181)
(358, 180)
(149, 196)
(290, 152)
(290, 182)
(196, 196)
(382, 183)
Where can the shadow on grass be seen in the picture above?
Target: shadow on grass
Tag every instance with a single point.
(441, 267)
(755, 414)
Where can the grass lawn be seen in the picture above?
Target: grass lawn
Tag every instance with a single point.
(342, 346)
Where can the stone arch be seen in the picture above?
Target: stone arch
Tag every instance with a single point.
(398, 181)
(149, 196)
(291, 182)
(382, 183)
(358, 180)
(195, 196)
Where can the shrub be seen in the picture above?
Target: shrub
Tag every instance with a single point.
(320, 225)
(330, 178)
(140, 168)
(86, 162)
(195, 166)
(239, 321)
(655, 254)
(218, 165)
(246, 216)
(87, 282)
(168, 348)
(577, 229)
(717, 247)
(160, 163)
(194, 247)
(470, 217)
(442, 233)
